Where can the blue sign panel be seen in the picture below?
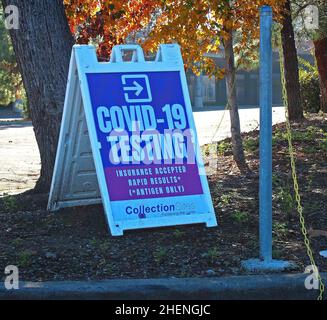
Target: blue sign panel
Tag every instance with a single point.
(141, 123)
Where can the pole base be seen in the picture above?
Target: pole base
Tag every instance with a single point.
(257, 265)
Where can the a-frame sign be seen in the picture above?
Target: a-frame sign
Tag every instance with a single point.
(128, 140)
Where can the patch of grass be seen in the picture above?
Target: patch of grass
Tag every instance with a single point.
(309, 149)
(254, 244)
(109, 268)
(277, 254)
(178, 233)
(206, 150)
(251, 144)
(105, 245)
(279, 137)
(223, 147)
(312, 130)
(94, 242)
(309, 183)
(323, 145)
(308, 135)
(24, 258)
(286, 200)
(240, 216)
(105, 266)
(280, 229)
(10, 204)
(17, 242)
(305, 136)
(160, 255)
(225, 199)
(218, 188)
(276, 180)
(212, 255)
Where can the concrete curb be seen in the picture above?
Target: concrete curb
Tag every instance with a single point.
(15, 122)
(249, 287)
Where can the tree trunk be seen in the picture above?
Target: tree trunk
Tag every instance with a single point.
(237, 143)
(291, 66)
(321, 58)
(42, 45)
(320, 45)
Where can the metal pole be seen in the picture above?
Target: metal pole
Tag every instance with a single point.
(265, 179)
(265, 261)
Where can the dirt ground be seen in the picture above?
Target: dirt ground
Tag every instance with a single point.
(75, 244)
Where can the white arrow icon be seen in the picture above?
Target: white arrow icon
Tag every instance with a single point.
(137, 87)
(134, 89)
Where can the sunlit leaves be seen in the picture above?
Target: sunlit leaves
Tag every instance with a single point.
(198, 26)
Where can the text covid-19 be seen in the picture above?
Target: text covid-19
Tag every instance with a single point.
(137, 135)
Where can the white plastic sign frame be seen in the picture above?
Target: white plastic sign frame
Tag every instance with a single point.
(83, 64)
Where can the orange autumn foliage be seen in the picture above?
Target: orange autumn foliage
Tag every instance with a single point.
(199, 27)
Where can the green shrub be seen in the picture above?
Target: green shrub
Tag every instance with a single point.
(160, 255)
(251, 144)
(240, 217)
(212, 255)
(309, 86)
(286, 200)
(223, 147)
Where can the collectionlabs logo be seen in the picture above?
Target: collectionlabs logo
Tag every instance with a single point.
(142, 210)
